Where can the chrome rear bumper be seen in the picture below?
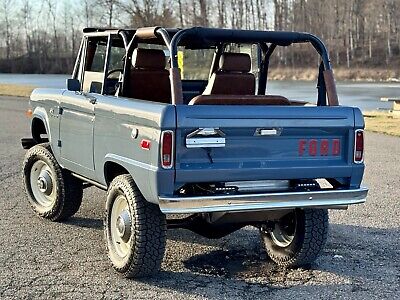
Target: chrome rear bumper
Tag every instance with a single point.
(262, 201)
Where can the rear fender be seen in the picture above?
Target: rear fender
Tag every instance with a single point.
(140, 173)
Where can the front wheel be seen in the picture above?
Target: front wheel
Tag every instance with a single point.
(135, 230)
(53, 193)
(297, 238)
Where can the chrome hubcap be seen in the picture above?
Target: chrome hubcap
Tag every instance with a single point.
(124, 225)
(43, 185)
(120, 224)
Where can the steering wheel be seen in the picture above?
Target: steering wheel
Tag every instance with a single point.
(114, 71)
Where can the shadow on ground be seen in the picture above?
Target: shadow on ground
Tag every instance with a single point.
(354, 254)
(92, 223)
(350, 254)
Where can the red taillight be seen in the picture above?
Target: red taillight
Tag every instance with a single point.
(167, 147)
(359, 146)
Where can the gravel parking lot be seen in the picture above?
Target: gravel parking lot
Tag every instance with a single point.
(40, 259)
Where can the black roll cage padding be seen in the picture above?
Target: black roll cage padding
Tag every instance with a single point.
(220, 36)
(263, 78)
(262, 87)
(280, 38)
(321, 87)
(276, 38)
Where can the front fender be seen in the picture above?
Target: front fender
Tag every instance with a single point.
(45, 101)
(41, 114)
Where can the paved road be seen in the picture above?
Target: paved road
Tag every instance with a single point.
(40, 259)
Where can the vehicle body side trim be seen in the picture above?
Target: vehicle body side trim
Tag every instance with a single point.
(129, 161)
(85, 179)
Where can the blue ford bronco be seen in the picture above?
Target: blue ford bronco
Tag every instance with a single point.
(179, 129)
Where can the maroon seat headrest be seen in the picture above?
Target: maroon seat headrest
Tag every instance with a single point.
(235, 62)
(148, 79)
(232, 77)
(151, 59)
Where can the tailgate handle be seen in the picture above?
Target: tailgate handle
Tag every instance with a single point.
(268, 131)
(206, 138)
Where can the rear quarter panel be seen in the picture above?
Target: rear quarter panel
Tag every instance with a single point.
(120, 126)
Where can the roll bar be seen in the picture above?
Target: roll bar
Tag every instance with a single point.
(326, 82)
(280, 38)
(276, 38)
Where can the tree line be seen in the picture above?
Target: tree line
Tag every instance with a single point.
(43, 36)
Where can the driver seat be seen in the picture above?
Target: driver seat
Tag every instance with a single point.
(148, 78)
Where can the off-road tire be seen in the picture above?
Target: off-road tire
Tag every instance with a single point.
(69, 189)
(146, 245)
(311, 234)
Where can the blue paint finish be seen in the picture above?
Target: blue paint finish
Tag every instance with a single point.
(250, 157)
(115, 119)
(246, 155)
(358, 119)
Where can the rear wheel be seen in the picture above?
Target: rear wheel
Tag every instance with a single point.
(297, 238)
(53, 193)
(135, 230)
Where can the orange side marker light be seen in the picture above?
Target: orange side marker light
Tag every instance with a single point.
(29, 113)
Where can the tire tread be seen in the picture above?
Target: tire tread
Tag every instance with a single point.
(316, 229)
(149, 226)
(70, 191)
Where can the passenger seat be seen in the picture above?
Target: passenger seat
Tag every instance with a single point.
(233, 76)
(148, 78)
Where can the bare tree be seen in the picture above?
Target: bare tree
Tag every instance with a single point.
(203, 12)
(38, 35)
(88, 11)
(149, 12)
(7, 11)
(180, 7)
(52, 9)
(108, 6)
(26, 15)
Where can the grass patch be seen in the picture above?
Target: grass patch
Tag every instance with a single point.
(16, 90)
(382, 122)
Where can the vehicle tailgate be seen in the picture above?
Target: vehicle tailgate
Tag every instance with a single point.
(263, 142)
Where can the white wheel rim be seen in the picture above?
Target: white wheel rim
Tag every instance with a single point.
(283, 236)
(43, 185)
(121, 226)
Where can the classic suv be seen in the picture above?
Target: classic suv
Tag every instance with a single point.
(178, 123)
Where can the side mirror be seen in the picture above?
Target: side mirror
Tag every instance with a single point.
(73, 85)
